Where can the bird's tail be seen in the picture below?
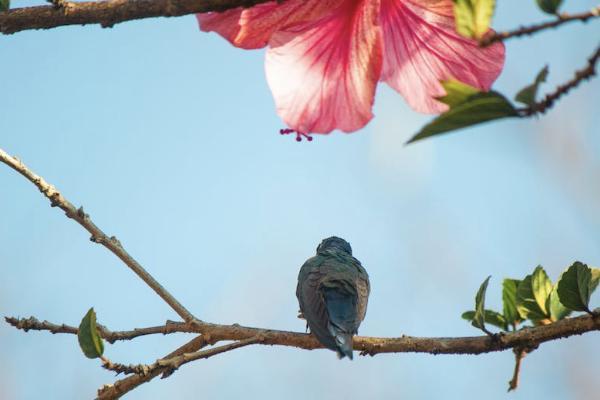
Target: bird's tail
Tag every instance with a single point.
(343, 343)
(341, 311)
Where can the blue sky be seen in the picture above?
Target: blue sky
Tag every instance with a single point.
(168, 138)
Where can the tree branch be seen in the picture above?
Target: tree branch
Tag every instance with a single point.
(108, 13)
(169, 365)
(34, 324)
(120, 387)
(520, 354)
(530, 30)
(243, 336)
(527, 338)
(548, 101)
(98, 236)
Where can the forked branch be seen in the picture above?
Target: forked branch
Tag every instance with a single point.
(244, 336)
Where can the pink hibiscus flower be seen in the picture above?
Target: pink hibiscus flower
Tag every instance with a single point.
(325, 57)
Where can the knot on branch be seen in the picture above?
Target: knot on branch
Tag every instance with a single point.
(118, 368)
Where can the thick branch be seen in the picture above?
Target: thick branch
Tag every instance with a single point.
(530, 30)
(98, 236)
(524, 338)
(108, 13)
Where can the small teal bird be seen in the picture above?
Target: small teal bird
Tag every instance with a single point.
(333, 291)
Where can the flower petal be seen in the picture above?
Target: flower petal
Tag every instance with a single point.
(251, 28)
(323, 74)
(422, 47)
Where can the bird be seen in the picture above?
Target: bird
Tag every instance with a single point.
(333, 292)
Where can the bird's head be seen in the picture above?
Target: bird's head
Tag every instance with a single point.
(334, 243)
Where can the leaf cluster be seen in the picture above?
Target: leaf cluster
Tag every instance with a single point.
(536, 299)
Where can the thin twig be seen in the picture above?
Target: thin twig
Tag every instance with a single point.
(108, 13)
(98, 236)
(125, 385)
(548, 101)
(139, 369)
(526, 338)
(529, 30)
(169, 365)
(33, 323)
(165, 366)
(520, 353)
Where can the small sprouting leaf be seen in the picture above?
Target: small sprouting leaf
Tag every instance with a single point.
(557, 310)
(509, 301)
(575, 287)
(475, 109)
(490, 316)
(479, 317)
(528, 94)
(527, 304)
(4, 5)
(473, 17)
(89, 339)
(549, 6)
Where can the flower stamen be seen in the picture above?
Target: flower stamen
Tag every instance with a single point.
(299, 135)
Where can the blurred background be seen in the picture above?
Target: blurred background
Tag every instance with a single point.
(169, 139)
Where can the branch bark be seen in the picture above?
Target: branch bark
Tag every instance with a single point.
(98, 236)
(34, 324)
(120, 387)
(525, 338)
(108, 13)
(530, 30)
(588, 72)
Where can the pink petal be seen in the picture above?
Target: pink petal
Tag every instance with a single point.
(323, 74)
(251, 28)
(422, 47)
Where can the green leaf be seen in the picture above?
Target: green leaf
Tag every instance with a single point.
(89, 339)
(509, 301)
(473, 17)
(557, 310)
(456, 92)
(549, 6)
(528, 94)
(478, 108)
(4, 5)
(527, 300)
(479, 317)
(541, 286)
(490, 316)
(595, 279)
(575, 287)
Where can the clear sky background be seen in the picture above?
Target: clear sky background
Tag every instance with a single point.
(169, 139)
